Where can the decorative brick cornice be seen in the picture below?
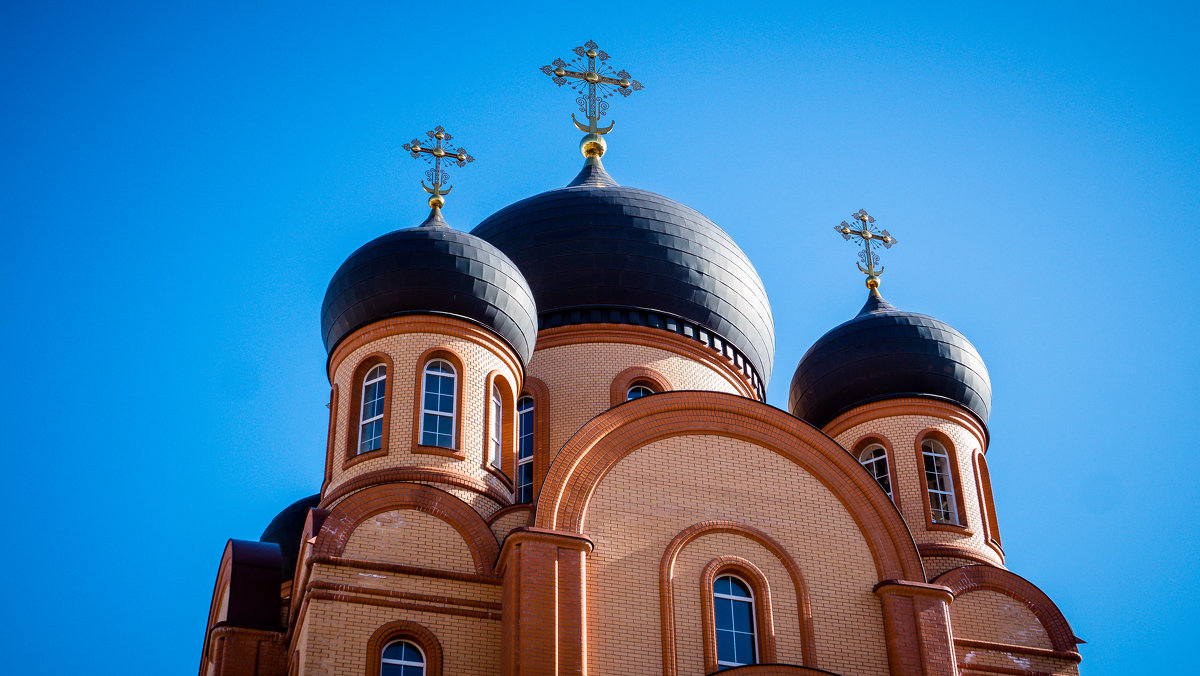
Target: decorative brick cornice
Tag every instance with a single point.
(559, 539)
(953, 551)
(648, 337)
(449, 326)
(421, 474)
(612, 435)
(909, 406)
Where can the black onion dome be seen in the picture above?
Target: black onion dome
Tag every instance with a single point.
(607, 253)
(431, 269)
(285, 530)
(884, 353)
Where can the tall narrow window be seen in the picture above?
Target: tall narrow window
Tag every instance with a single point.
(437, 405)
(733, 613)
(943, 506)
(402, 658)
(370, 421)
(525, 449)
(496, 443)
(874, 458)
(637, 392)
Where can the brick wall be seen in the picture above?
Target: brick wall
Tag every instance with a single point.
(661, 489)
(410, 537)
(909, 483)
(579, 376)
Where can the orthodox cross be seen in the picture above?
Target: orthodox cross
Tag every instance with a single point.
(435, 154)
(862, 230)
(593, 80)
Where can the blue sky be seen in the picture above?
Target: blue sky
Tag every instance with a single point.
(179, 182)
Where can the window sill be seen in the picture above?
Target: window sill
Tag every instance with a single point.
(949, 528)
(361, 457)
(440, 450)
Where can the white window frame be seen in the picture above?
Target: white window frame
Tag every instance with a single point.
(453, 414)
(943, 469)
(638, 386)
(496, 434)
(402, 663)
(524, 405)
(868, 462)
(753, 618)
(363, 422)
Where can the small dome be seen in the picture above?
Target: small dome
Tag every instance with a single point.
(595, 245)
(884, 353)
(285, 530)
(431, 269)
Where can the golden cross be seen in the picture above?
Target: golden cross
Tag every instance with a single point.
(436, 154)
(598, 77)
(862, 230)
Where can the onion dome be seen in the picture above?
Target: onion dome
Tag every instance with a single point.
(285, 530)
(595, 251)
(431, 269)
(884, 353)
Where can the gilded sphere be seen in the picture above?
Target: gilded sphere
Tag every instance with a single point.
(438, 152)
(624, 83)
(440, 135)
(436, 202)
(560, 71)
(872, 282)
(592, 53)
(591, 77)
(593, 145)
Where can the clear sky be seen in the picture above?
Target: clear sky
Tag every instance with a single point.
(179, 181)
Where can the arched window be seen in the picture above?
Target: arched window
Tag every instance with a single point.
(637, 392)
(874, 458)
(402, 658)
(939, 480)
(496, 438)
(370, 421)
(733, 614)
(525, 449)
(437, 405)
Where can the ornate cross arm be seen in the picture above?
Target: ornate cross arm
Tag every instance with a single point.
(593, 79)
(435, 154)
(863, 231)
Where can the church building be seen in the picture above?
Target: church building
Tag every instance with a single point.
(549, 452)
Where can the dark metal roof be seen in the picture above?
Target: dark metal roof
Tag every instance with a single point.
(254, 585)
(884, 353)
(285, 530)
(431, 269)
(596, 244)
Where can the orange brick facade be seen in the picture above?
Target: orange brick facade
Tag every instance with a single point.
(638, 506)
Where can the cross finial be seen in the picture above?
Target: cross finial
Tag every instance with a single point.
(594, 80)
(862, 230)
(434, 153)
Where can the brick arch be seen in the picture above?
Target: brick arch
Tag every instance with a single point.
(974, 578)
(606, 439)
(626, 379)
(349, 513)
(666, 582)
(403, 630)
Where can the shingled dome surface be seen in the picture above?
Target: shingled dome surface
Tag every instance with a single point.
(431, 269)
(594, 244)
(884, 353)
(285, 530)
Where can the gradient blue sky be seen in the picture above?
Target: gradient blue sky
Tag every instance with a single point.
(179, 182)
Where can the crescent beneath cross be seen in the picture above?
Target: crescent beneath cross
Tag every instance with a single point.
(589, 129)
(436, 189)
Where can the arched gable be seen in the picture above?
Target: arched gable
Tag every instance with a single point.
(606, 439)
(973, 578)
(349, 513)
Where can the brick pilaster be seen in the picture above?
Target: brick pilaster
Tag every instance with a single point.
(916, 619)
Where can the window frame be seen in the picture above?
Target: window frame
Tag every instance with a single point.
(384, 660)
(497, 382)
(418, 403)
(369, 380)
(955, 472)
(987, 504)
(522, 434)
(764, 632)
(403, 630)
(495, 447)
(455, 382)
(353, 414)
(632, 377)
(874, 439)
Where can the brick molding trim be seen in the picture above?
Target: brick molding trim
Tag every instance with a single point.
(401, 630)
